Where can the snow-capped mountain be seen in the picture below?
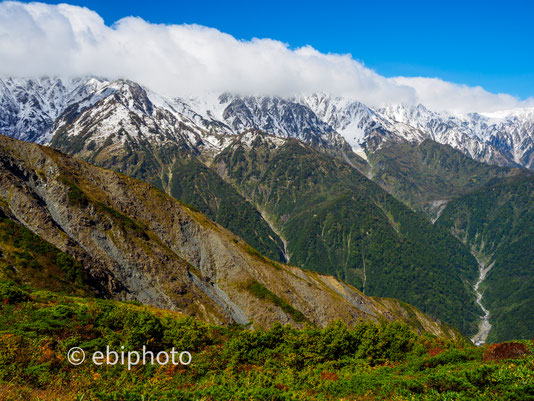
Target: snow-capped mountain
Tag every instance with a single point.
(49, 110)
(469, 134)
(29, 107)
(122, 112)
(503, 141)
(280, 117)
(89, 111)
(361, 126)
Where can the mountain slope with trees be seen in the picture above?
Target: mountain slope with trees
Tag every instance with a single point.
(134, 242)
(497, 223)
(427, 175)
(336, 221)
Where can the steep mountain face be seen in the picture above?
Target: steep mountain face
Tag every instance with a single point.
(336, 221)
(504, 139)
(138, 243)
(362, 127)
(513, 134)
(122, 112)
(497, 223)
(29, 107)
(428, 175)
(465, 133)
(279, 117)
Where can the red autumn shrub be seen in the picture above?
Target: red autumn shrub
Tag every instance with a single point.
(510, 350)
(434, 351)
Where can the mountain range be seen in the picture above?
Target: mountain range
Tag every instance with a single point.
(30, 108)
(390, 200)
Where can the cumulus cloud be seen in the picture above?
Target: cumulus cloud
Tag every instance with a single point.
(179, 60)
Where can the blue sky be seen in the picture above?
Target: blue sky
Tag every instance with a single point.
(487, 43)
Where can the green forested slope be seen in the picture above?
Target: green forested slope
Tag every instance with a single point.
(336, 221)
(426, 175)
(497, 221)
(197, 185)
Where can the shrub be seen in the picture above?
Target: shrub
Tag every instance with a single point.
(70, 266)
(509, 350)
(11, 294)
(450, 356)
(143, 328)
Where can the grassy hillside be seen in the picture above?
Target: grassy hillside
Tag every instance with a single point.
(369, 361)
(338, 222)
(497, 222)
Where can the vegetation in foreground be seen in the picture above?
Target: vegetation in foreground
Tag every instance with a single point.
(369, 361)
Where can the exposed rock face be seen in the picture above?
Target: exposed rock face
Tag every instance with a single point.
(139, 243)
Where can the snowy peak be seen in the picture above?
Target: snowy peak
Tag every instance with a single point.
(122, 112)
(29, 107)
(276, 116)
(498, 138)
(132, 96)
(361, 126)
(505, 139)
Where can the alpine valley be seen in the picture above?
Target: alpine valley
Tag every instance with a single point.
(260, 209)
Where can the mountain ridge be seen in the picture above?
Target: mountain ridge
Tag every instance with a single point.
(504, 138)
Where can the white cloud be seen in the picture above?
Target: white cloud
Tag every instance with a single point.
(38, 39)
(441, 95)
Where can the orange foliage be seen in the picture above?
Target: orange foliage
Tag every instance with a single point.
(434, 351)
(511, 350)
